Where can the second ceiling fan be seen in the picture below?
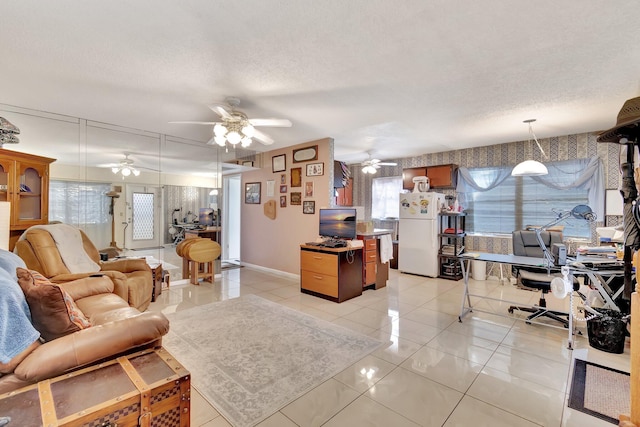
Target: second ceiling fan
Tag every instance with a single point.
(236, 127)
(372, 165)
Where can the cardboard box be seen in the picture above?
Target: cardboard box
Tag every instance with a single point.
(364, 226)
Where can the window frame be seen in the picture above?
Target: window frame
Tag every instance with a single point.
(391, 195)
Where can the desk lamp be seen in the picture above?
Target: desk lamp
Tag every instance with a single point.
(579, 212)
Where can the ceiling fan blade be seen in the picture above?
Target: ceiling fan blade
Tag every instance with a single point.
(195, 123)
(212, 141)
(146, 168)
(221, 111)
(262, 137)
(387, 164)
(282, 123)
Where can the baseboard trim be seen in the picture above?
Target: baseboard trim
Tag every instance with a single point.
(271, 270)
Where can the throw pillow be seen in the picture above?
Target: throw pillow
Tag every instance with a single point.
(53, 312)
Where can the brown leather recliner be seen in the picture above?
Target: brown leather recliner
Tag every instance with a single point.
(116, 329)
(132, 278)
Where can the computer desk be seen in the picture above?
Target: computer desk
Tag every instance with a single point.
(600, 279)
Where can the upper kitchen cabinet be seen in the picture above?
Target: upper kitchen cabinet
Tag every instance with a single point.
(441, 176)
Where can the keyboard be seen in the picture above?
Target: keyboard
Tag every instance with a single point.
(332, 243)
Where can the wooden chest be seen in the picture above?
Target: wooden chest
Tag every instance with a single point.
(148, 388)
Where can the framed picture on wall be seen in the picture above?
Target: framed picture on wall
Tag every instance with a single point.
(283, 178)
(252, 193)
(271, 188)
(296, 177)
(309, 207)
(315, 169)
(279, 163)
(308, 189)
(283, 201)
(283, 188)
(305, 154)
(296, 198)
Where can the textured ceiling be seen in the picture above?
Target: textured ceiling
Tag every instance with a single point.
(391, 78)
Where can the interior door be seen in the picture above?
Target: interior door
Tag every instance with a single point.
(231, 219)
(144, 217)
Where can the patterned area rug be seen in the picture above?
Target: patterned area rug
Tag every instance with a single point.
(250, 357)
(599, 391)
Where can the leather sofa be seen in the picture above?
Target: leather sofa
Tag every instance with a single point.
(29, 354)
(132, 278)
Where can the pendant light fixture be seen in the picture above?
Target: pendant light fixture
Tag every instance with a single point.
(531, 167)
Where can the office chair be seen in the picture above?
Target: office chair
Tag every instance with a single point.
(525, 243)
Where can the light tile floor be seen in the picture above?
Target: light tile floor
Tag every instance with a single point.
(432, 371)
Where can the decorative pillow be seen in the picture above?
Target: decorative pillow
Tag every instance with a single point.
(53, 312)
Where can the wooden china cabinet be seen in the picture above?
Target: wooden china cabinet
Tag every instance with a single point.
(24, 182)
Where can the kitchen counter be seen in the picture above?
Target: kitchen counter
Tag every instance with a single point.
(376, 232)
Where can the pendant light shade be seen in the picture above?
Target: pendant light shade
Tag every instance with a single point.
(531, 167)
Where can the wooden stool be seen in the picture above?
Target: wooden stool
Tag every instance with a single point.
(198, 256)
(185, 261)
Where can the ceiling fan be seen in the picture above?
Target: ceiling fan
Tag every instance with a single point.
(372, 165)
(236, 127)
(125, 167)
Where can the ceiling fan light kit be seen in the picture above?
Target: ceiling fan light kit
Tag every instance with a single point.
(531, 167)
(236, 128)
(370, 166)
(368, 169)
(125, 168)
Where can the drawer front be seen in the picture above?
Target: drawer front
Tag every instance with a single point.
(370, 244)
(319, 263)
(370, 257)
(370, 273)
(320, 283)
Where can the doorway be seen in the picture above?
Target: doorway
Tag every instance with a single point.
(231, 219)
(143, 224)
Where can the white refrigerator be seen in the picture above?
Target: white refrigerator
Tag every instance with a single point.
(418, 233)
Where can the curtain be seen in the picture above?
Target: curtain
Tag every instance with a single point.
(385, 197)
(483, 179)
(590, 177)
(565, 175)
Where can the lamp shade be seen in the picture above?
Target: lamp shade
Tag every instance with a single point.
(529, 168)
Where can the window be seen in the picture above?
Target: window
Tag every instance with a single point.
(517, 202)
(385, 197)
(79, 203)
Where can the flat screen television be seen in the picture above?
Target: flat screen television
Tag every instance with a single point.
(338, 223)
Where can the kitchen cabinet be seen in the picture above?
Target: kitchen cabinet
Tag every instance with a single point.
(344, 195)
(440, 176)
(374, 273)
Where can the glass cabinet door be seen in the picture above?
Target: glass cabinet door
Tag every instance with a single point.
(30, 197)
